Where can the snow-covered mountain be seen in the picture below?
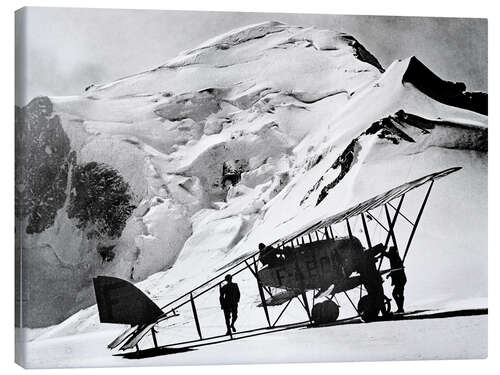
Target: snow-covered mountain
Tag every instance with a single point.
(172, 173)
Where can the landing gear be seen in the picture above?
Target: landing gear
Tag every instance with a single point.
(387, 302)
(369, 308)
(325, 312)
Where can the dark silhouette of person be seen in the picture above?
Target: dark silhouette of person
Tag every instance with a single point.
(370, 277)
(229, 298)
(267, 255)
(398, 277)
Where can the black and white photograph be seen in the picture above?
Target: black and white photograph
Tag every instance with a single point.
(210, 188)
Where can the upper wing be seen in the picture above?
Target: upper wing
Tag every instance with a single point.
(369, 204)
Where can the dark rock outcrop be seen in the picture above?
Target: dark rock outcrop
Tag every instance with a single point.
(42, 163)
(446, 92)
(395, 129)
(100, 200)
(361, 52)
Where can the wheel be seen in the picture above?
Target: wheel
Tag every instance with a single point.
(325, 312)
(368, 309)
(387, 302)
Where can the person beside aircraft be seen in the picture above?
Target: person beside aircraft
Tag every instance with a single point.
(229, 299)
(269, 256)
(398, 277)
(370, 277)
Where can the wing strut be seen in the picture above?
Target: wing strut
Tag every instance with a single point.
(392, 224)
(417, 220)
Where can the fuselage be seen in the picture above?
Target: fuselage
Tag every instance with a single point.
(313, 265)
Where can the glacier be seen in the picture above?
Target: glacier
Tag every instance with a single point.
(237, 141)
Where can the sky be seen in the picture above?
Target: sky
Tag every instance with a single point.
(60, 51)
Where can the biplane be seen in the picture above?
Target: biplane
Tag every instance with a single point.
(311, 265)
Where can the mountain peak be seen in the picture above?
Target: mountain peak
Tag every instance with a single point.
(269, 53)
(447, 92)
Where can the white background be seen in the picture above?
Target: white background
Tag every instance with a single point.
(448, 8)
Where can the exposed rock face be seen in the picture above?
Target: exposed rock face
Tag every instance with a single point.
(57, 252)
(179, 170)
(451, 93)
(100, 200)
(42, 164)
(397, 128)
(362, 53)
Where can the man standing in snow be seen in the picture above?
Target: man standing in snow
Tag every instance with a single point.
(398, 277)
(229, 298)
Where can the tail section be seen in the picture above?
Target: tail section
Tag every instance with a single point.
(120, 302)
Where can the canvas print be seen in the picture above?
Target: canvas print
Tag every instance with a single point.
(219, 188)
